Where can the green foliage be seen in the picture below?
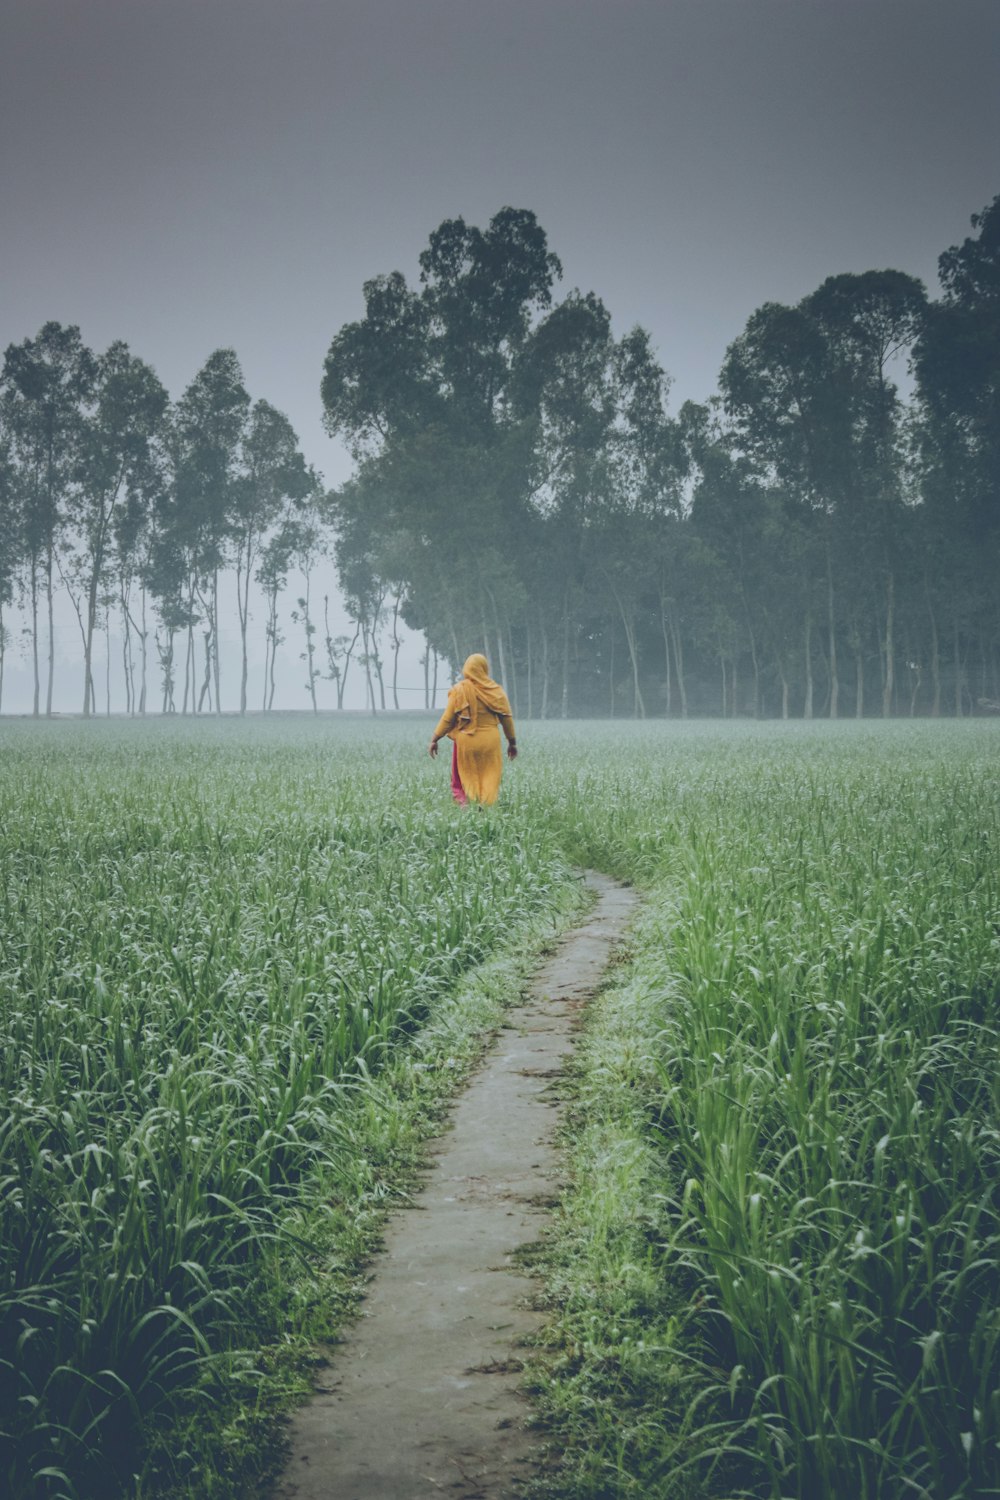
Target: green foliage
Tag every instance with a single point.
(204, 942)
(226, 953)
(808, 1038)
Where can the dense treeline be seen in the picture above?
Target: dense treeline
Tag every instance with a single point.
(809, 541)
(136, 508)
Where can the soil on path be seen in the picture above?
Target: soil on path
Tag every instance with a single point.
(422, 1398)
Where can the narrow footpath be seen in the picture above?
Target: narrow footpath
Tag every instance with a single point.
(422, 1397)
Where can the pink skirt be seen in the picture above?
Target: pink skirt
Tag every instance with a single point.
(457, 789)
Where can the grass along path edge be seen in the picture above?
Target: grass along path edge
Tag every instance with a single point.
(776, 1271)
(609, 1376)
(230, 1440)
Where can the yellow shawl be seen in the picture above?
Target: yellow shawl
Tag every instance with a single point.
(477, 687)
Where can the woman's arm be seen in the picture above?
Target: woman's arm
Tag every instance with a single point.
(507, 725)
(446, 724)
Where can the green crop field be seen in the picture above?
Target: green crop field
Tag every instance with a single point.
(216, 937)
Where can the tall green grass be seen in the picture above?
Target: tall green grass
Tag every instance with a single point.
(208, 932)
(825, 968)
(204, 934)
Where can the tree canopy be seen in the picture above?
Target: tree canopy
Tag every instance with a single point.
(822, 536)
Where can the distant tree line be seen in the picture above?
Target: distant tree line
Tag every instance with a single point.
(135, 508)
(809, 541)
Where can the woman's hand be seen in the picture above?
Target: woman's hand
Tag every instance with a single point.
(511, 750)
(433, 749)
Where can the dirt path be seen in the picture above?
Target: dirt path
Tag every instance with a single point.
(422, 1398)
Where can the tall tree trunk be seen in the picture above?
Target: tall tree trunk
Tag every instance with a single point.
(500, 659)
(270, 684)
(3, 652)
(36, 700)
(243, 606)
(165, 656)
(377, 658)
(679, 663)
(348, 657)
(638, 705)
(831, 625)
(935, 665)
(506, 677)
(565, 662)
(611, 672)
(434, 683)
(52, 633)
(107, 661)
(666, 658)
(367, 657)
(889, 679)
(206, 684)
(396, 643)
(807, 711)
(957, 658)
(172, 674)
(144, 635)
(215, 641)
(511, 684)
(189, 660)
(270, 645)
(784, 686)
(310, 646)
(755, 659)
(545, 671)
(88, 644)
(127, 667)
(918, 677)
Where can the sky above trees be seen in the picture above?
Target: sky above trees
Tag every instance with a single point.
(187, 176)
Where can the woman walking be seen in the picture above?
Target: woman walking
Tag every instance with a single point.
(477, 710)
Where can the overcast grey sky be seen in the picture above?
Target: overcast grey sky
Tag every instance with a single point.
(186, 174)
(190, 174)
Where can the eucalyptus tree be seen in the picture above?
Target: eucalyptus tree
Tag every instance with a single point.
(422, 389)
(957, 361)
(10, 540)
(605, 475)
(339, 652)
(307, 528)
(114, 467)
(729, 504)
(134, 539)
(364, 590)
(45, 386)
(166, 577)
(792, 417)
(205, 441)
(644, 465)
(272, 478)
(566, 387)
(271, 574)
(869, 322)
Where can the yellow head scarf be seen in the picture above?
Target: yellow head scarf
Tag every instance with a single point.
(478, 687)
